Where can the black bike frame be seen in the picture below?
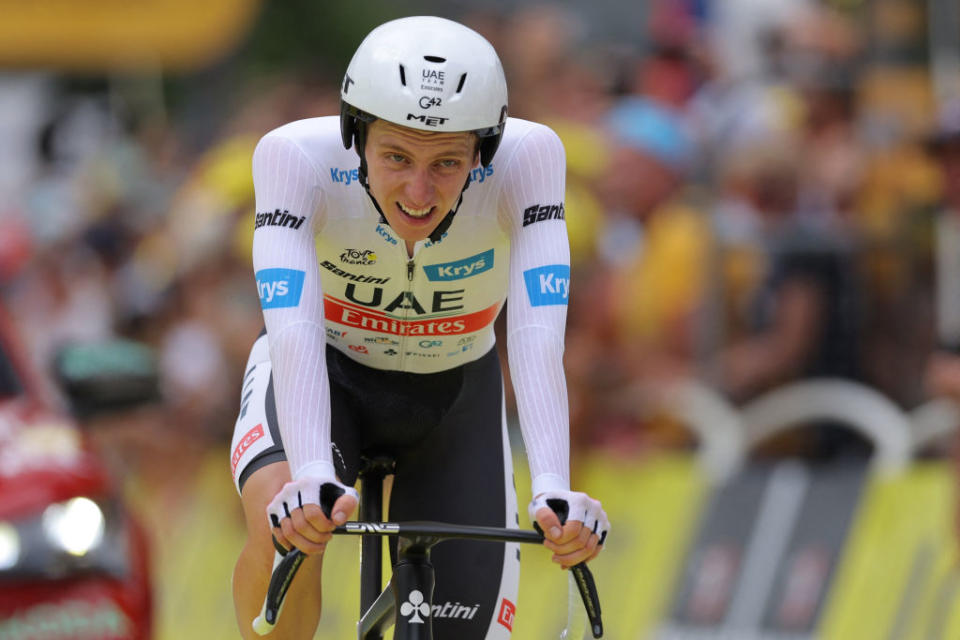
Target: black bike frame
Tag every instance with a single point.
(413, 572)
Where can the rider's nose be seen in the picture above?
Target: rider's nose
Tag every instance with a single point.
(419, 189)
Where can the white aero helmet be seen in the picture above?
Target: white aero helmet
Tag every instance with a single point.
(425, 73)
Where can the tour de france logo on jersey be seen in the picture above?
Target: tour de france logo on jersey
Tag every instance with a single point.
(548, 285)
(279, 288)
(358, 256)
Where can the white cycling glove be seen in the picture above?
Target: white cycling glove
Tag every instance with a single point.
(318, 490)
(573, 505)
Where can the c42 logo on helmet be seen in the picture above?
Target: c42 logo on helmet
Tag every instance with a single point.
(415, 607)
(429, 101)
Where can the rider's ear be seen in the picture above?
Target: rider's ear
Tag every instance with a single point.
(477, 151)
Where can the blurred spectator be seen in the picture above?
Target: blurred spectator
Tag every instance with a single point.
(943, 373)
(557, 79)
(63, 297)
(802, 319)
(538, 41)
(635, 317)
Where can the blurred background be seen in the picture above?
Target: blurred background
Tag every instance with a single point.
(763, 203)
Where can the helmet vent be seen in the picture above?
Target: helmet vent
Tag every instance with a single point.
(436, 59)
(403, 76)
(460, 84)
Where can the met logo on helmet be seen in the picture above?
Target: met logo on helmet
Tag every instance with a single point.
(430, 121)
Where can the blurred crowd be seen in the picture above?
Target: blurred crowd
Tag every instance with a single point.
(748, 203)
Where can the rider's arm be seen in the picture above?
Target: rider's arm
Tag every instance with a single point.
(285, 262)
(531, 210)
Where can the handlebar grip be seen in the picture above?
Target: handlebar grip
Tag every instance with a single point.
(590, 597)
(581, 573)
(285, 566)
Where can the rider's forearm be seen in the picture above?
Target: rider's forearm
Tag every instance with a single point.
(536, 367)
(302, 393)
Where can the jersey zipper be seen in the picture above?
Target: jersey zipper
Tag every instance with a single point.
(411, 266)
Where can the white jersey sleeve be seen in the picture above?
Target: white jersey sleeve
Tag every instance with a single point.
(290, 207)
(531, 209)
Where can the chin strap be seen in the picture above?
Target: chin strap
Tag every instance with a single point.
(441, 229)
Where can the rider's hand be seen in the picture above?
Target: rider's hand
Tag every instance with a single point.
(296, 515)
(574, 524)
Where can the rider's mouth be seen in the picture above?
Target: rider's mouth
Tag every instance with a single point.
(415, 214)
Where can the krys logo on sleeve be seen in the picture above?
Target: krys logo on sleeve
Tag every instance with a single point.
(548, 285)
(279, 288)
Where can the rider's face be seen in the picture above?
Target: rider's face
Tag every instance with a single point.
(416, 176)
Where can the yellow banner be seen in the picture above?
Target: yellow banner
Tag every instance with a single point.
(121, 34)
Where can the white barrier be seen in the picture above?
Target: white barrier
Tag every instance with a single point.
(934, 421)
(708, 415)
(857, 406)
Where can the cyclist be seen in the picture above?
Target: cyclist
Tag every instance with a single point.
(379, 287)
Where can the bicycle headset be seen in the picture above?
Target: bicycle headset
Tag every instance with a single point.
(425, 73)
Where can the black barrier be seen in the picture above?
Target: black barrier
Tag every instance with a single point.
(765, 553)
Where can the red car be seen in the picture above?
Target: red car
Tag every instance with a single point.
(73, 562)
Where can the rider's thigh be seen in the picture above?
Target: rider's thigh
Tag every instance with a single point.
(301, 610)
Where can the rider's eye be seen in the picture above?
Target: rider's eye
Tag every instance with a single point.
(449, 164)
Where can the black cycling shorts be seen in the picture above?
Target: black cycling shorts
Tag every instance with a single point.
(447, 433)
